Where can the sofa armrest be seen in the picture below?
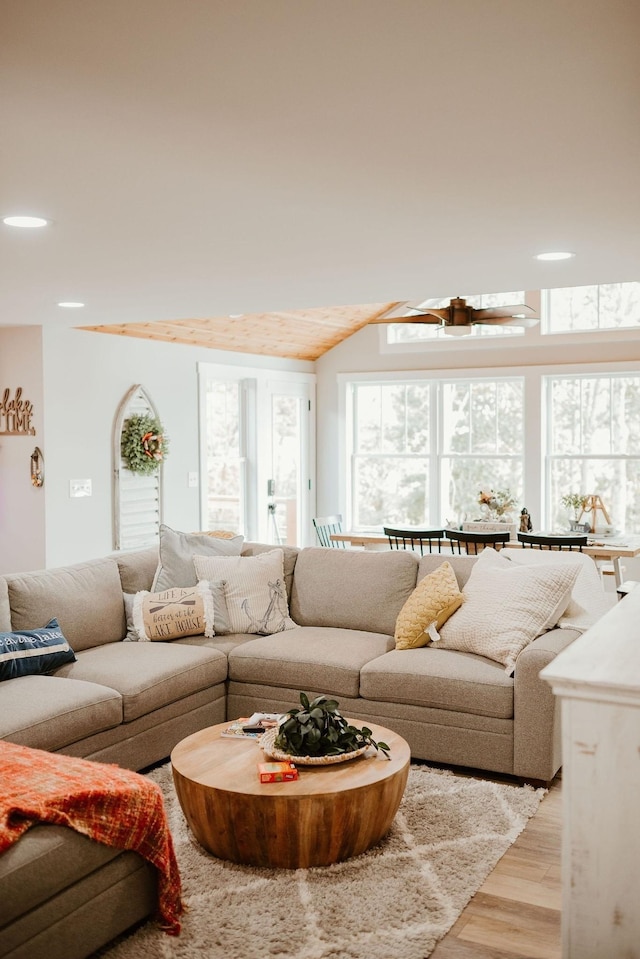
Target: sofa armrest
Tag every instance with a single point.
(536, 734)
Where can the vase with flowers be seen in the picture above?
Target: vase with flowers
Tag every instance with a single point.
(497, 504)
(575, 503)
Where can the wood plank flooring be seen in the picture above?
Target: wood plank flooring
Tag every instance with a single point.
(516, 912)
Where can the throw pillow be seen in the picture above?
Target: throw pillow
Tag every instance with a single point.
(436, 597)
(588, 599)
(254, 589)
(177, 551)
(29, 651)
(174, 613)
(505, 607)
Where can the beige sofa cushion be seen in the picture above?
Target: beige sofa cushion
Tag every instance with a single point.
(149, 675)
(461, 565)
(86, 599)
(310, 659)
(352, 589)
(46, 712)
(137, 569)
(441, 679)
(5, 609)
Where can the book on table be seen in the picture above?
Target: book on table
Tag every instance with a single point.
(242, 728)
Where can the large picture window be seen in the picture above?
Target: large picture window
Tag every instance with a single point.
(593, 444)
(482, 442)
(422, 451)
(391, 453)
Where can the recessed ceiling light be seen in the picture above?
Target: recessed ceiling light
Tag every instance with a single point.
(71, 305)
(27, 222)
(559, 255)
(236, 316)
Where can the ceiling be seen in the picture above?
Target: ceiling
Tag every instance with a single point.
(200, 160)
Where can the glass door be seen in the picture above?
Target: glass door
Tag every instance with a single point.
(257, 454)
(287, 459)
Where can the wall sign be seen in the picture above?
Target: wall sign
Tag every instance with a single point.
(15, 414)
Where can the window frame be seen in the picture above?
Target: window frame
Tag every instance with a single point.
(599, 331)
(536, 487)
(436, 453)
(550, 457)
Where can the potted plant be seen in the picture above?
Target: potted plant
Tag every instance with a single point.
(319, 729)
(575, 502)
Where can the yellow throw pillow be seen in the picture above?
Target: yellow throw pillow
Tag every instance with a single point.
(435, 598)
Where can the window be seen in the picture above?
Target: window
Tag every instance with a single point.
(390, 458)
(482, 442)
(583, 308)
(593, 444)
(417, 332)
(423, 450)
(225, 493)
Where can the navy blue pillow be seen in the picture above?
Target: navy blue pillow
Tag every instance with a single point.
(34, 651)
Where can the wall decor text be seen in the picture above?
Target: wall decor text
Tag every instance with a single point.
(15, 414)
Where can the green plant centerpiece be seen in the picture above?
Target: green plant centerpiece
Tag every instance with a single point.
(319, 729)
(144, 444)
(575, 502)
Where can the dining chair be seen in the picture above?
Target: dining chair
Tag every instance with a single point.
(425, 540)
(325, 526)
(541, 541)
(472, 543)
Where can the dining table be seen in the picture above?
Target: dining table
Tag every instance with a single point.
(613, 549)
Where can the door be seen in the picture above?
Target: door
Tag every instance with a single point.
(257, 453)
(287, 460)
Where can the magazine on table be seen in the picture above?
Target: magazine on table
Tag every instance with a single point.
(252, 727)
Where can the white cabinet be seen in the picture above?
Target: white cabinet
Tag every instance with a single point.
(598, 681)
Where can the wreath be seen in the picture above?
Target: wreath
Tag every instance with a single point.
(144, 444)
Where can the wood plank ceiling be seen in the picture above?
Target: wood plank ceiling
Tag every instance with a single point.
(294, 334)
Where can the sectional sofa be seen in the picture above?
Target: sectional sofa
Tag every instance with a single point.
(130, 702)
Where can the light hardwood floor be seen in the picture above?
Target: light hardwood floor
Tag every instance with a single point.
(516, 912)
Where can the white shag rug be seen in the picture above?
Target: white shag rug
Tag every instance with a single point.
(396, 900)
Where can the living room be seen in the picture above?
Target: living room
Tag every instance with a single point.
(225, 160)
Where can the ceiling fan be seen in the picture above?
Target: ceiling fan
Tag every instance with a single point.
(458, 318)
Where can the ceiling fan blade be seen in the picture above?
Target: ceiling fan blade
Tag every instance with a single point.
(408, 313)
(501, 311)
(524, 321)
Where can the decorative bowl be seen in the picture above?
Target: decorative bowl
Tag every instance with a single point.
(267, 744)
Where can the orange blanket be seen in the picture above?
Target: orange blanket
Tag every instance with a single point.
(111, 805)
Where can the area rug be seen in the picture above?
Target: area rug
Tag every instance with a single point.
(396, 900)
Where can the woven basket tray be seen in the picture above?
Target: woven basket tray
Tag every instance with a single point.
(266, 743)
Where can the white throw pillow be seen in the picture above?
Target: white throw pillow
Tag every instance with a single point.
(254, 590)
(506, 606)
(588, 599)
(177, 550)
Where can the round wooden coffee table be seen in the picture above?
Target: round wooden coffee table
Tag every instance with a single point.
(329, 814)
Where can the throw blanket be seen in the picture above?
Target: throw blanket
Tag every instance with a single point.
(111, 805)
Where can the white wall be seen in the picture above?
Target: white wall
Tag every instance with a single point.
(364, 352)
(87, 374)
(22, 506)
(85, 377)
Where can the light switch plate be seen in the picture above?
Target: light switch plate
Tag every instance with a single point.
(192, 480)
(79, 487)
